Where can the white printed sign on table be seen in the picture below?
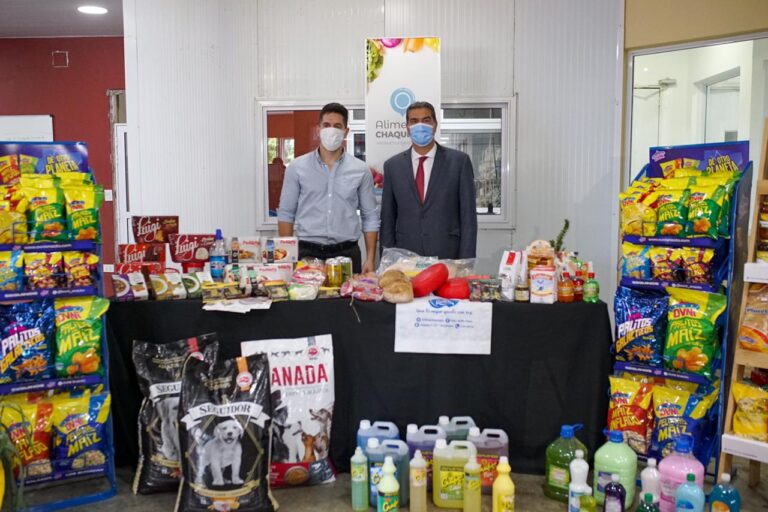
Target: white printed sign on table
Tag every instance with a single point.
(398, 73)
(444, 326)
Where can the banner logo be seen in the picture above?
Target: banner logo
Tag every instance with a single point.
(401, 99)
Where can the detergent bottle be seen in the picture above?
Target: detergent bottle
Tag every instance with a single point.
(398, 450)
(389, 488)
(503, 488)
(381, 430)
(424, 439)
(690, 496)
(587, 502)
(375, 454)
(559, 455)
(418, 481)
(674, 470)
(724, 496)
(617, 457)
(448, 472)
(615, 495)
(647, 505)
(473, 486)
(578, 487)
(491, 444)
(456, 428)
(359, 480)
(651, 480)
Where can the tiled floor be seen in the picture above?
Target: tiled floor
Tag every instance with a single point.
(335, 497)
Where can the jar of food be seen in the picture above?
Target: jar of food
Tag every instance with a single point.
(522, 292)
(764, 210)
(762, 252)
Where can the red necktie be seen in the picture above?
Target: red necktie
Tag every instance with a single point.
(420, 178)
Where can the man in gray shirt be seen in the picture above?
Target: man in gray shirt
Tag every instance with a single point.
(322, 192)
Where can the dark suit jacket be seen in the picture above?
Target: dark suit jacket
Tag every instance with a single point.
(446, 224)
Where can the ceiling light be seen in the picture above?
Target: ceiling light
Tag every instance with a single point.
(92, 9)
(645, 69)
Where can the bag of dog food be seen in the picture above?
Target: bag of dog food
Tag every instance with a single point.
(158, 367)
(224, 428)
(302, 408)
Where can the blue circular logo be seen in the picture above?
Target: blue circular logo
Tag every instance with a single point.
(401, 99)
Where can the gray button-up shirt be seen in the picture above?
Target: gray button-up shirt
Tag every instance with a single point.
(322, 203)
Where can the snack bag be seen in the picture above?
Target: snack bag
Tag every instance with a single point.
(636, 262)
(224, 430)
(70, 178)
(11, 271)
(686, 172)
(692, 335)
(83, 203)
(13, 226)
(680, 183)
(12, 199)
(668, 168)
(79, 428)
(641, 325)
(677, 413)
(671, 211)
(630, 412)
(705, 211)
(753, 332)
(42, 270)
(28, 163)
(29, 427)
(751, 417)
(697, 264)
(27, 342)
(78, 335)
(725, 217)
(9, 169)
(80, 268)
(46, 211)
(637, 218)
(158, 368)
(302, 407)
(666, 264)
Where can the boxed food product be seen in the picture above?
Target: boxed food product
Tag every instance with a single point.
(543, 285)
(192, 284)
(155, 229)
(130, 286)
(147, 268)
(192, 251)
(167, 286)
(509, 273)
(129, 253)
(279, 249)
(275, 271)
(250, 249)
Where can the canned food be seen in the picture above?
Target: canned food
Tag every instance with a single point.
(346, 268)
(334, 276)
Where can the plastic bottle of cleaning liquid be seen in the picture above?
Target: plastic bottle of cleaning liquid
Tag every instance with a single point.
(724, 496)
(587, 503)
(674, 469)
(491, 444)
(375, 454)
(651, 480)
(359, 480)
(615, 456)
(398, 450)
(647, 505)
(689, 496)
(615, 495)
(388, 492)
(473, 486)
(381, 430)
(503, 488)
(418, 483)
(559, 455)
(578, 487)
(423, 439)
(591, 289)
(456, 428)
(448, 472)
(218, 257)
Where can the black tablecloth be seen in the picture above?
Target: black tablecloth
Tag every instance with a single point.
(549, 366)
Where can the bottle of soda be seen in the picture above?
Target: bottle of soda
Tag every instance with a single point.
(578, 287)
(591, 289)
(565, 288)
(218, 257)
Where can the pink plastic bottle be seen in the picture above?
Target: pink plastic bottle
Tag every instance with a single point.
(674, 469)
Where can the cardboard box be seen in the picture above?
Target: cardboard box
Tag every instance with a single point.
(280, 249)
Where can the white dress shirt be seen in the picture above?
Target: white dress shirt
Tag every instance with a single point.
(428, 163)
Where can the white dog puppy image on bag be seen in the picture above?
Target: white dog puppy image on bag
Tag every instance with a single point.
(222, 451)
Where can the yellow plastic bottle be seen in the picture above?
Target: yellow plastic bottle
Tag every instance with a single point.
(418, 480)
(473, 486)
(389, 488)
(448, 472)
(503, 488)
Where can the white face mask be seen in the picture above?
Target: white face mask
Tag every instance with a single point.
(331, 138)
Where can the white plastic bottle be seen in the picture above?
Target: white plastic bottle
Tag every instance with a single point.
(418, 483)
(578, 487)
(218, 257)
(651, 481)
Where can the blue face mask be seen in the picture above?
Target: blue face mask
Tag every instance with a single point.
(422, 134)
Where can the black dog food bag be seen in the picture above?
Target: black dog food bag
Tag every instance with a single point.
(224, 429)
(158, 366)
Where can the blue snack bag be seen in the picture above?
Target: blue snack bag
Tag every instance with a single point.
(641, 325)
(636, 261)
(26, 348)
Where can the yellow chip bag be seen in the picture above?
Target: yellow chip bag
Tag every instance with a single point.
(629, 411)
(667, 168)
(751, 417)
(38, 180)
(676, 183)
(80, 268)
(692, 164)
(9, 169)
(28, 163)
(705, 210)
(74, 178)
(29, 427)
(13, 227)
(83, 203)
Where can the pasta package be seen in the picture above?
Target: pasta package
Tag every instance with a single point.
(636, 261)
(671, 211)
(692, 334)
(83, 203)
(667, 264)
(753, 332)
(630, 412)
(29, 427)
(705, 210)
(677, 413)
(751, 417)
(78, 335)
(697, 264)
(79, 428)
(641, 325)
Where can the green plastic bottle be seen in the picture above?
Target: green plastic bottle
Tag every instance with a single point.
(559, 455)
(359, 479)
(591, 289)
(647, 504)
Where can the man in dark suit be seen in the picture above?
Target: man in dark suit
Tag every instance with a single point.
(428, 204)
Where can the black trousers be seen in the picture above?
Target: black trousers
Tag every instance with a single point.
(323, 252)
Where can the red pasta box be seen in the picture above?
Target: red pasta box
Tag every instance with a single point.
(151, 230)
(146, 267)
(130, 253)
(192, 251)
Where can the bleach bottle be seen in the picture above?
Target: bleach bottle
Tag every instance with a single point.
(398, 450)
(559, 455)
(423, 439)
(448, 472)
(650, 481)
(724, 496)
(615, 457)
(375, 454)
(674, 470)
(381, 430)
(456, 428)
(578, 487)
(491, 444)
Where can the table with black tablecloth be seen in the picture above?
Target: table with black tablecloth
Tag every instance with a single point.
(548, 366)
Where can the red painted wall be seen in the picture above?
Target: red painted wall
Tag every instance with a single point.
(76, 96)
